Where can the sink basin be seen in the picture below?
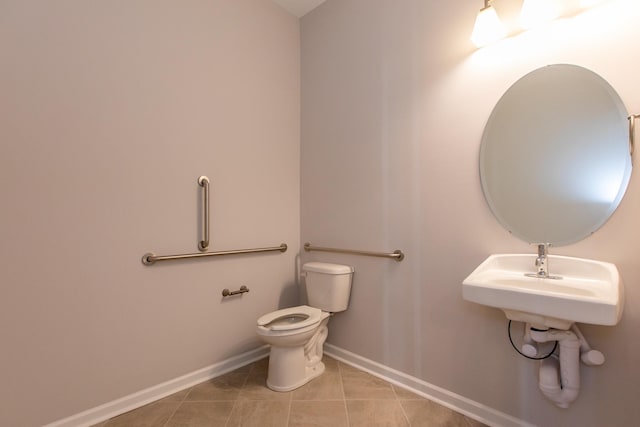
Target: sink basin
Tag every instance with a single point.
(588, 292)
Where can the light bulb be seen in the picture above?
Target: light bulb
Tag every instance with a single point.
(590, 3)
(535, 13)
(488, 27)
(538, 12)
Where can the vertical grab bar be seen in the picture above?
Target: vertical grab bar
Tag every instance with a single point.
(203, 244)
(632, 132)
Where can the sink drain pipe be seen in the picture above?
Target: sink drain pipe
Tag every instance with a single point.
(559, 379)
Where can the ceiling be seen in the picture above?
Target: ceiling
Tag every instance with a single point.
(299, 7)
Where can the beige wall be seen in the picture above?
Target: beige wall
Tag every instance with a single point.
(109, 112)
(394, 101)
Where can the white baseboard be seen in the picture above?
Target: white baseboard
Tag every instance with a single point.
(432, 392)
(120, 406)
(451, 400)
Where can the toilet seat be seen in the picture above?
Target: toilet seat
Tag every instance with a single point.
(291, 318)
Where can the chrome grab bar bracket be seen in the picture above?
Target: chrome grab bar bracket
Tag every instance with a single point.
(148, 258)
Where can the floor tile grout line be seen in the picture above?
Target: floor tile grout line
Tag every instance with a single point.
(176, 408)
(184, 399)
(237, 399)
(233, 407)
(344, 395)
(404, 413)
(289, 412)
(318, 400)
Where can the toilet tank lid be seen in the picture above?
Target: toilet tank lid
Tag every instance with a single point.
(327, 268)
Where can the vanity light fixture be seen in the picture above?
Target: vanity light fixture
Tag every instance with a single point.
(535, 13)
(488, 27)
(588, 3)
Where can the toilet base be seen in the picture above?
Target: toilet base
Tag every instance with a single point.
(275, 381)
(293, 367)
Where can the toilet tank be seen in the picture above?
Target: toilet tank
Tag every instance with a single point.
(328, 285)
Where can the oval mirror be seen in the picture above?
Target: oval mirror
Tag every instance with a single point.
(555, 159)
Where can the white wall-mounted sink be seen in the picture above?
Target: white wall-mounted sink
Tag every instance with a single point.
(589, 291)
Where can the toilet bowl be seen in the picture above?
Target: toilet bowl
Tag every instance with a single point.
(297, 334)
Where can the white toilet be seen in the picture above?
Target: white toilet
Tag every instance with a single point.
(297, 334)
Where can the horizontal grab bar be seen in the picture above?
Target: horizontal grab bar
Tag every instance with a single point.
(397, 254)
(151, 258)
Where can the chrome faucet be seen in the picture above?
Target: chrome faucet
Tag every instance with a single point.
(541, 261)
(542, 264)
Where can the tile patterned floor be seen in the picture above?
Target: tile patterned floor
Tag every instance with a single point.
(342, 397)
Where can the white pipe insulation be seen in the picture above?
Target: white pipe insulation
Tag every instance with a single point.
(561, 389)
